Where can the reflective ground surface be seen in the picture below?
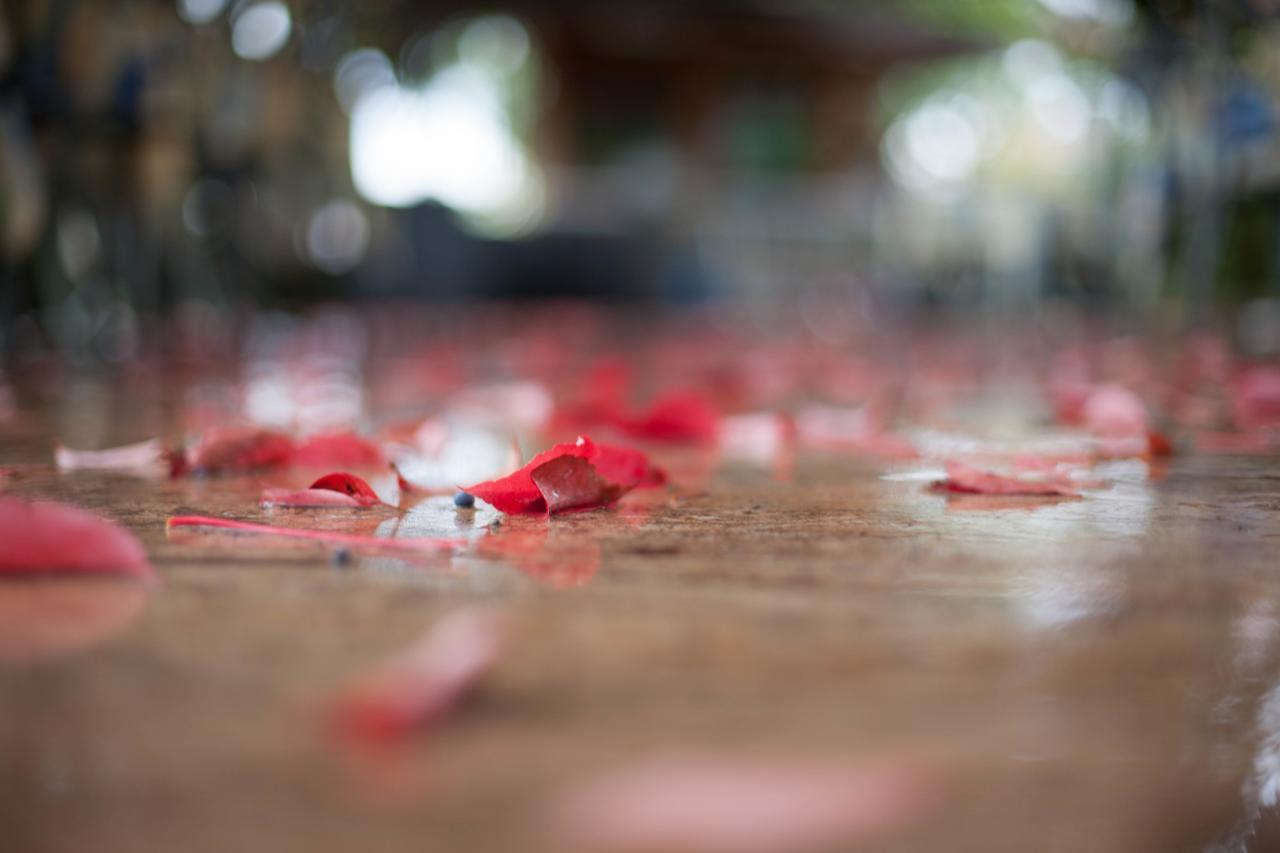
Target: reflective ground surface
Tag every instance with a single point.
(1097, 674)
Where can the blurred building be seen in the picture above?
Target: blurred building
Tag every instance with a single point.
(214, 156)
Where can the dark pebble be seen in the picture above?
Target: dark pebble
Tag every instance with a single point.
(341, 558)
(464, 500)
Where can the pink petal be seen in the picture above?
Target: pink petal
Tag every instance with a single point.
(425, 681)
(709, 804)
(1114, 412)
(309, 498)
(43, 538)
(144, 454)
(966, 478)
(1255, 397)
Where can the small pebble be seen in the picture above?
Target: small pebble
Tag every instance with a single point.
(341, 558)
(464, 500)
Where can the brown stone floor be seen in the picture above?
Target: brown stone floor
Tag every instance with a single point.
(1089, 675)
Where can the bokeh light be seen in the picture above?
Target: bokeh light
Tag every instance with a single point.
(261, 30)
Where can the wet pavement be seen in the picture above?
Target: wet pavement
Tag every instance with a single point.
(1094, 674)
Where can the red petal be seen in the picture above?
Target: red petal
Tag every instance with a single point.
(517, 492)
(239, 449)
(570, 482)
(41, 538)
(338, 450)
(677, 417)
(348, 484)
(331, 490)
(626, 467)
(425, 681)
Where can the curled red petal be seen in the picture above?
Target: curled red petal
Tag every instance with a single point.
(570, 482)
(348, 484)
(425, 681)
(332, 490)
(239, 449)
(339, 450)
(516, 492)
(46, 538)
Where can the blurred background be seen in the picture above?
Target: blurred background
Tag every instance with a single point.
(169, 167)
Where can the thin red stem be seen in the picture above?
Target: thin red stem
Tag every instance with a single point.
(419, 543)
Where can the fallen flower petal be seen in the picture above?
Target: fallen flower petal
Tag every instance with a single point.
(350, 485)
(966, 478)
(46, 538)
(709, 804)
(149, 454)
(570, 482)
(424, 682)
(309, 498)
(338, 450)
(1111, 411)
(417, 544)
(626, 467)
(516, 492)
(617, 469)
(339, 489)
(239, 449)
(676, 417)
(1255, 397)
(759, 437)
